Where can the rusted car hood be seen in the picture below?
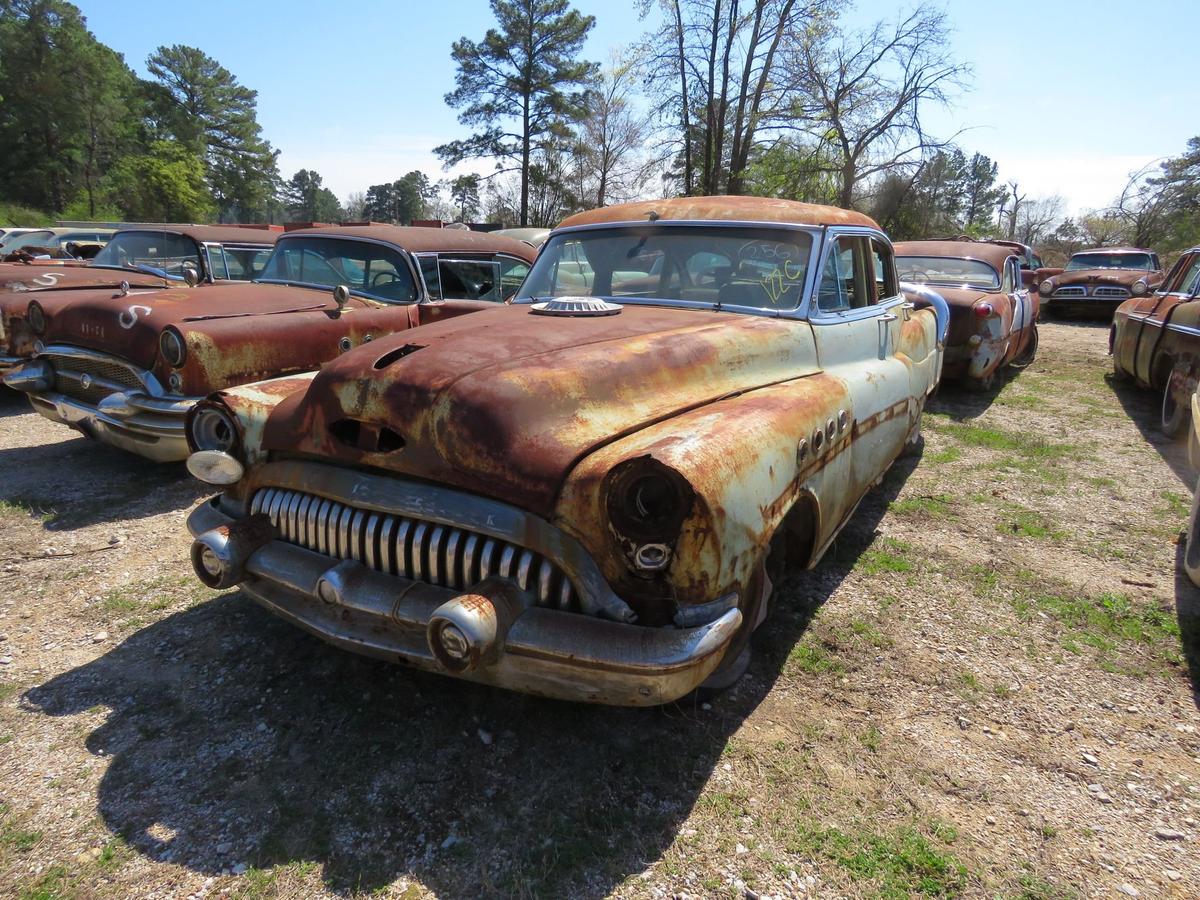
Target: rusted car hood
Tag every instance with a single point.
(129, 326)
(1123, 277)
(504, 402)
(20, 277)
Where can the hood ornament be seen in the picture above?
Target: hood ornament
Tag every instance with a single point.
(576, 306)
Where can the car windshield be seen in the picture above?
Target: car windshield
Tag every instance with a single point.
(1109, 261)
(31, 239)
(372, 270)
(157, 249)
(764, 268)
(949, 271)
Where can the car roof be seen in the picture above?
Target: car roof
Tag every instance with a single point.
(426, 240)
(1113, 250)
(211, 234)
(722, 208)
(993, 254)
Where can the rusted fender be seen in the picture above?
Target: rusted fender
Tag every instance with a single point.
(251, 406)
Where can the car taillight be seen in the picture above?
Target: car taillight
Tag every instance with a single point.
(983, 310)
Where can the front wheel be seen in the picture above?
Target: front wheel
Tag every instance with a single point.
(1175, 415)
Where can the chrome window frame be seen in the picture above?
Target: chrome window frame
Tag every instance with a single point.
(414, 270)
(880, 307)
(800, 311)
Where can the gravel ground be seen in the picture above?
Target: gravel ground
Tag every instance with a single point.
(987, 688)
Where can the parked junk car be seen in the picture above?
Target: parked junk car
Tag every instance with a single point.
(153, 256)
(578, 494)
(1191, 550)
(993, 319)
(56, 243)
(1096, 282)
(125, 368)
(139, 259)
(1155, 340)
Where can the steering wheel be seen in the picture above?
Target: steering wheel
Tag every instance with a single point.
(390, 276)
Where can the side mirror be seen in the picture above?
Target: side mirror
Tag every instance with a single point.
(341, 296)
(191, 275)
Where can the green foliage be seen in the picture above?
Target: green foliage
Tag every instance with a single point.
(307, 200)
(464, 192)
(946, 195)
(163, 184)
(903, 863)
(515, 85)
(69, 104)
(203, 106)
(23, 216)
(402, 200)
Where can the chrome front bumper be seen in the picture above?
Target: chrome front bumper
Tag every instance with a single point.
(143, 425)
(549, 652)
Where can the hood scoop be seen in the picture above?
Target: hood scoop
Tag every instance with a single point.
(575, 306)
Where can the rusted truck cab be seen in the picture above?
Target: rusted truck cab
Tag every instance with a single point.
(993, 318)
(1155, 341)
(125, 366)
(1096, 282)
(582, 494)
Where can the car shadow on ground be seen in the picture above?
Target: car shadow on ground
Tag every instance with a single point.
(236, 739)
(1187, 614)
(1143, 406)
(12, 403)
(75, 483)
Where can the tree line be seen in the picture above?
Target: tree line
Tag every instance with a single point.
(776, 98)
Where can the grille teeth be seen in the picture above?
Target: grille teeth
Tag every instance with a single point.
(103, 377)
(411, 548)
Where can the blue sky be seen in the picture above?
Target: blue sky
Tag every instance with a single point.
(355, 90)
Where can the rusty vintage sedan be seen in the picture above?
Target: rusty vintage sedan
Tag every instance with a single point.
(125, 366)
(1096, 282)
(1155, 340)
(993, 318)
(583, 494)
(152, 256)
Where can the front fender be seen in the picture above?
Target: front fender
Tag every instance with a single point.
(747, 459)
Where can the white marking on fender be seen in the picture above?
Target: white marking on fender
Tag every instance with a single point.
(129, 318)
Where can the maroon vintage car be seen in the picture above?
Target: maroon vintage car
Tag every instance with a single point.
(993, 319)
(1096, 282)
(125, 366)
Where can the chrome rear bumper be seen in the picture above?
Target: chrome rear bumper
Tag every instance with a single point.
(550, 652)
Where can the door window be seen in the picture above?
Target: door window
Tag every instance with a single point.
(846, 282)
(512, 274)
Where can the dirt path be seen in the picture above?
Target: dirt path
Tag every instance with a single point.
(983, 690)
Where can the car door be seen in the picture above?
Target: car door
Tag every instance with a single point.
(1023, 313)
(1137, 338)
(856, 321)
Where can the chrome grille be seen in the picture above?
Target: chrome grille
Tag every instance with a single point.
(1110, 292)
(1075, 290)
(411, 548)
(104, 377)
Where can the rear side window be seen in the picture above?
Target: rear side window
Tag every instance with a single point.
(373, 270)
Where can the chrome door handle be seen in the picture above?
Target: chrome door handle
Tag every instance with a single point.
(888, 317)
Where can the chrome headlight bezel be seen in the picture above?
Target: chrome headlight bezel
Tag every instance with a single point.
(1140, 288)
(172, 347)
(211, 426)
(1046, 287)
(35, 315)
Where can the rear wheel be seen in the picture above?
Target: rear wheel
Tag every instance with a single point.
(1175, 415)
